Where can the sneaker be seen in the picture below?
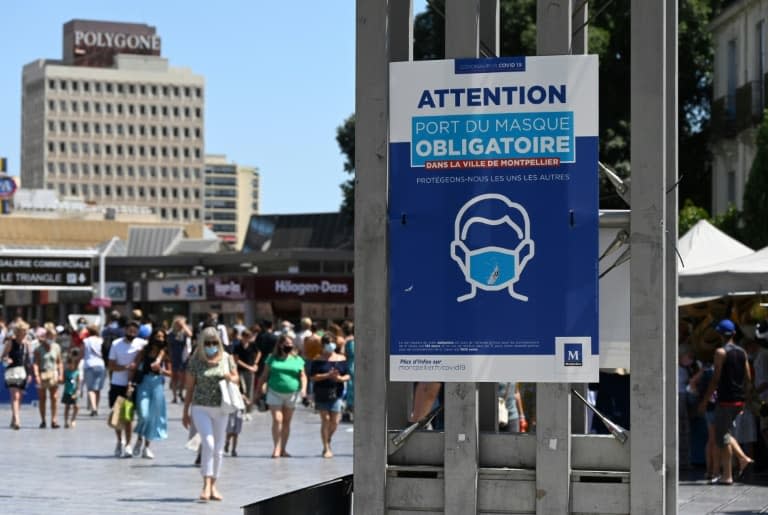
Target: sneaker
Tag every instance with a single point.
(248, 417)
(119, 449)
(137, 450)
(128, 451)
(146, 453)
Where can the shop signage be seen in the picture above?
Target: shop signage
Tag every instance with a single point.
(45, 272)
(115, 291)
(304, 288)
(183, 289)
(117, 40)
(219, 288)
(496, 276)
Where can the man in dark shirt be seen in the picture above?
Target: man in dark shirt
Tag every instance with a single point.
(246, 356)
(265, 342)
(731, 379)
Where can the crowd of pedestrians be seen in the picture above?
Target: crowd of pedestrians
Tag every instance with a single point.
(273, 370)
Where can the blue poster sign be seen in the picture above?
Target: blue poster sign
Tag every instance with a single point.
(493, 220)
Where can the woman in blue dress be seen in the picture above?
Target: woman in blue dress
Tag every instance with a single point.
(152, 367)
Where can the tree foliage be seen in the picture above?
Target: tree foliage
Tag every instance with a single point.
(345, 137)
(609, 38)
(755, 213)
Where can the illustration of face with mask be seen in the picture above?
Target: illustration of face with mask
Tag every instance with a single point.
(492, 244)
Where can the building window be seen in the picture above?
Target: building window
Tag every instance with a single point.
(119, 191)
(142, 171)
(51, 84)
(142, 90)
(129, 191)
(163, 192)
(152, 193)
(73, 169)
(86, 107)
(758, 98)
(131, 89)
(108, 108)
(62, 168)
(63, 85)
(86, 127)
(86, 86)
(96, 170)
(51, 168)
(62, 106)
(62, 189)
(152, 171)
(120, 88)
(163, 212)
(84, 190)
(51, 147)
(732, 78)
(97, 128)
(97, 107)
(108, 128)
(198, 112)
(119, 128)
(731, 188)
(86, 169)
(142, 109)
(51, 105)
(107, 190)
(108, 87)
(108, 170)
(97, 87)
(74, 85)
(119, 108)
(73, 127)
(165, 91)
(130, 130)
(142, 130)
(85, 147)
(74, 106)
(62, 147)
(118, 171)
(130, 109)
(96, 188)
(198, 92)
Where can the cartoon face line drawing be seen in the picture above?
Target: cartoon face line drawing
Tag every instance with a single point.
(492, 267)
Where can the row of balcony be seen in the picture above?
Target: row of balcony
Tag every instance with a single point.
(739, 110)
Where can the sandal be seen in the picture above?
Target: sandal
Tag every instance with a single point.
(744, 470)
(54, 425)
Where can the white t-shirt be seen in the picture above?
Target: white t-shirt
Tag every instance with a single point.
(299, 340)
(123, 353)
(92, 347)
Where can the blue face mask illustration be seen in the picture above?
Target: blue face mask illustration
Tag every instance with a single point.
(492, 267)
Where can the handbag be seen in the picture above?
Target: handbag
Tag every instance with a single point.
(126, 411)
(231, 399)
(503, 412)
(15, 375)
(114, 420)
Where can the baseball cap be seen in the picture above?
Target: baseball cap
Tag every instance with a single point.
(726, 326)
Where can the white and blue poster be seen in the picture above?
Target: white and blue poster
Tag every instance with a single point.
(493, 219)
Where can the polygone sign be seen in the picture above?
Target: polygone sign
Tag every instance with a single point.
(117, 40)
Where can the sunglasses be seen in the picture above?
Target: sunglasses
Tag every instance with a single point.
(211, 343)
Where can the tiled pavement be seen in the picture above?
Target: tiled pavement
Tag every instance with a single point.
(72, 471)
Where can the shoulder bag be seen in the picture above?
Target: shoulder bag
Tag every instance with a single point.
(231, 399)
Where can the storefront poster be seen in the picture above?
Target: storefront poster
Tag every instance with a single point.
(182, 289)
(493, 219)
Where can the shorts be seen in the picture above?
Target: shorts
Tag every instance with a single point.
(69, 399)
(47, 384)
(116, 391)
(724, 418)
(283, 400)
(94, 378)
(332, 406)
(744, 428)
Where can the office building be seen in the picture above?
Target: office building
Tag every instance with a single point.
(231, 196)
(113, 123)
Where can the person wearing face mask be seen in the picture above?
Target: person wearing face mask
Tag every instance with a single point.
(49, 373)
(208, 365)
(286, 382)
(329, 373)
(153, 366)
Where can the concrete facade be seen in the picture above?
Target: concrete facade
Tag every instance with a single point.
(231, 195)
(128, 134)
(739, 97)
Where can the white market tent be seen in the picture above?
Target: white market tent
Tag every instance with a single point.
(704, 249)
(705, 245)
(743, 274)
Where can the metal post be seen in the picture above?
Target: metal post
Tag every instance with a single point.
(553, 401)
(490, 40)
(649, 222)
(103, 277)
(371, 299)
(400, 49)
(671, 261)
(580, 38)
(462, 446)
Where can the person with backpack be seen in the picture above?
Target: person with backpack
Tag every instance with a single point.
(114, 330)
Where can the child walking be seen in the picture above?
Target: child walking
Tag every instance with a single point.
(234, 427)
(71, 387)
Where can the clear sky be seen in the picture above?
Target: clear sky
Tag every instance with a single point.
(280, 78)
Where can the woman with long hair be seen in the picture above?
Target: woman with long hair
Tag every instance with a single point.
(329, 373)
(49, 373)
(286, 388)
(15, 352)
(208, 365)
(179, 348)
(152, 367)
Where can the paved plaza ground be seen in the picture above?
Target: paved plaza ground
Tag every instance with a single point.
(73, 471)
